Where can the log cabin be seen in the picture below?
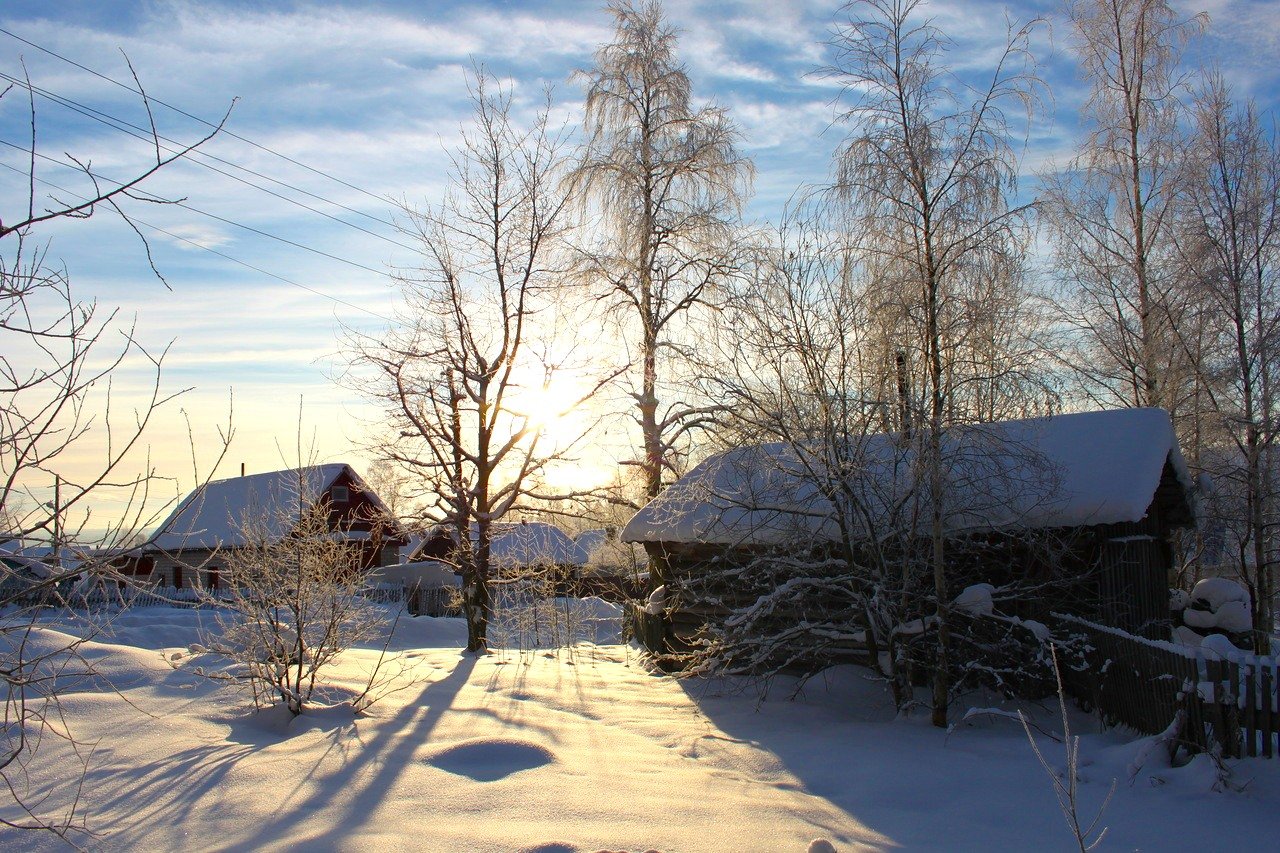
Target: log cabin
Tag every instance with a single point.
(1090, 501)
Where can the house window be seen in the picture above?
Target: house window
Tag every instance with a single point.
(340, 494)
(177, 577)
(214, 577)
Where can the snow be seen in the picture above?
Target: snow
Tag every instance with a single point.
(214, 516)
(976, 599)
(1069, 470)
(590, 541)
(1187, 637)
(1199, 618)
(530, 543)
(1217, 646)
(427, 574)
(587, 749)
(524, 543)
(1040, 629)
(657, 601)
(1234, 617)
(1219, 604)
(1215, 592)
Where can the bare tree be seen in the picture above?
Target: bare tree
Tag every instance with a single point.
(58, 354)
(290, 602)
(667, 180)
(1110, 210)
(390, 483)
(803, 368)
(928, 173)
(1229, 230)
(841, 566)
(458, 377)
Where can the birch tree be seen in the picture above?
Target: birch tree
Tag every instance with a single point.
(1110, 210)
(666, 179)
(927, 172)
(1229, 229)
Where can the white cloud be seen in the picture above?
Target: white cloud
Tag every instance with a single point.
(193, 237)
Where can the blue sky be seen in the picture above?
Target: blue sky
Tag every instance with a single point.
(372, 94)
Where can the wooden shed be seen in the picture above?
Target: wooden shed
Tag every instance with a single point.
(1105, 489)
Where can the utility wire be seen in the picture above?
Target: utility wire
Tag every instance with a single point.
(199, 157)
(185, 206)
(212, 250)
(183, 112)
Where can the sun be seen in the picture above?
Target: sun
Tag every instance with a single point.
(552, 406)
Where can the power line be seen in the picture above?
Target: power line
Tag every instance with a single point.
(185, 206)
(214, 251)
(205, 122)
(199, 157)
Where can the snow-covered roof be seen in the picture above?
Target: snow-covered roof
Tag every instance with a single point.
(215, 515)
(524, 543)
(1063, 471)
(589, 541)
(428, 574)
(601, 546)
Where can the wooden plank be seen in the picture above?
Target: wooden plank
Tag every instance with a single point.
(1195, 735)
(1234, 708)
(1267, 717)
(1250, 707)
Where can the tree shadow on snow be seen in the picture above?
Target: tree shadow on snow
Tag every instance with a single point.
(841, 739)
(369, 770)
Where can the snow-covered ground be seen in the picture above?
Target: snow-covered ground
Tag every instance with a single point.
(588, 750)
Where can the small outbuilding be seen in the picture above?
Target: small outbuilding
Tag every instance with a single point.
(512, 546)
(1108, 489)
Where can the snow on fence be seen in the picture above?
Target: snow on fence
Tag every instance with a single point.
(1229, 701)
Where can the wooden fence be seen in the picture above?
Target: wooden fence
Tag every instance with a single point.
(432, 601)
(1145, 684)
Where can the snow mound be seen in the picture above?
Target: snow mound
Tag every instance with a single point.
(1234, 617)
(1218, 645)
(1216, 592)
(1199, 618)
(1186, 636)
(1218, 606)
(976, 599)
(657, 601)
(491, 759)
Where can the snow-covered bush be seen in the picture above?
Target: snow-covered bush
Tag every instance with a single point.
(800, 613)
(291, 607)
(531, 611)
(1003, 654)
(769, 614)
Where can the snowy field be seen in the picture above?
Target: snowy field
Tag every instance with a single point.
(585, 750)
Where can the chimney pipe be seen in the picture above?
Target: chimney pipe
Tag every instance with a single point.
(241, 469)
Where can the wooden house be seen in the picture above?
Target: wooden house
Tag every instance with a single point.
(189, 548)
(1091, 498)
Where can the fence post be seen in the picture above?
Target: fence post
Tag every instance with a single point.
(1268, 718)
